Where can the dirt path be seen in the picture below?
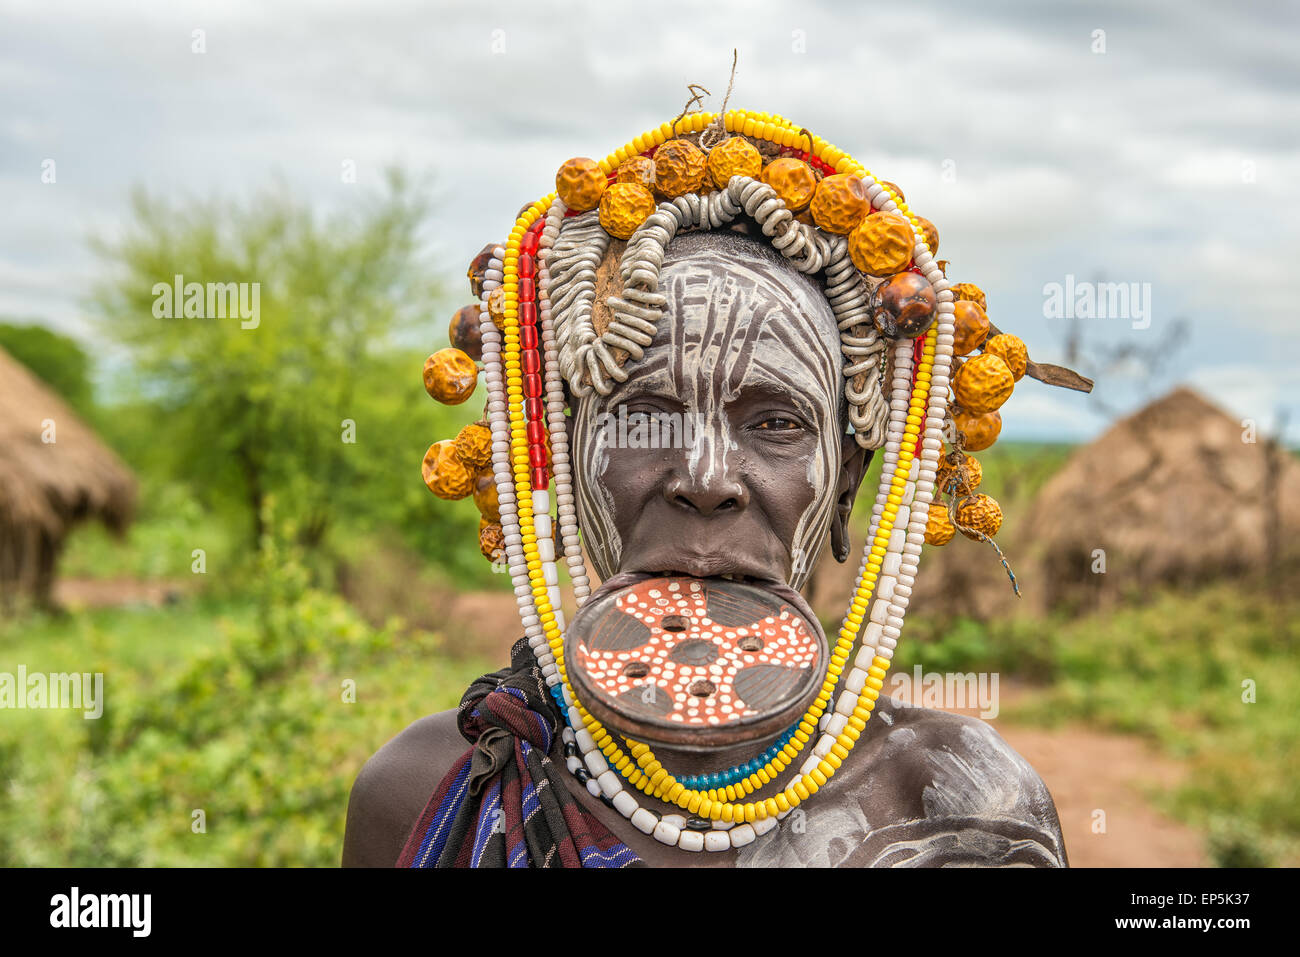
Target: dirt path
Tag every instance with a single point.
(113, 592)
(1090, 771)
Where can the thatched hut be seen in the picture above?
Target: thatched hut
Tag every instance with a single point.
(54, 473)
(1175, 494)
(1179, 492)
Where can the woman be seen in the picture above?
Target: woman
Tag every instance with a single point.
(780, 313)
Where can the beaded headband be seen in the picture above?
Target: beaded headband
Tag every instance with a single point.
(548, 326)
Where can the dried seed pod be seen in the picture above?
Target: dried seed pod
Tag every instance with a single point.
(968, 290)
(496, 303)
(881, 244)
(478, 269)
(839, 203)
(623, 208)
(492, 541)
(450, 376)
(464, 333)
(639, 170)
(929, 233)
(983, 383)
(486, 496)
(959, 474)
(1011, 350)
(979, 513)
(970, 326)
(734, 156)
(793, 179)
(444, 473)
(939, 529)
(474, 445)
(580, 183)
(978, 432)
(908, 306)
(680, 167)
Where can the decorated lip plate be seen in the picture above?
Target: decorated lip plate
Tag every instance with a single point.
(694, 662)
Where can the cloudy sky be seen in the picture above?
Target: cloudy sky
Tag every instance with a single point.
(1152, 144)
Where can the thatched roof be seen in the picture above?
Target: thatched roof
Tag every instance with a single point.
(1174, 494)
(1171, 494)
(46, 487)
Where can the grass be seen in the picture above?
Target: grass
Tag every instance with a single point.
(247, 716)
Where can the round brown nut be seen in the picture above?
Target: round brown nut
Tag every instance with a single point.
(473, 445)
(1011, 350)
(929, 233)
(478, 269)
(639, 170)
(839, 203)
(970, 326)
(968, 290)
(983, 383)
(450, 376)
(464, 332)
(939, 529)
(496, 303)
(734, 156)
(444, 473)
(623, 208)
(492, 541)
(793, 179)
(580, 183)
(908, 306)
(978, 432)
(486, 496)
(680, 167)
(881, 244)
(958, 474)
(978, 513)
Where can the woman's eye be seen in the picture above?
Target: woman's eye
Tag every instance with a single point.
(779, 424)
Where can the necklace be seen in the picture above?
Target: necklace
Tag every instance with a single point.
(520, 424)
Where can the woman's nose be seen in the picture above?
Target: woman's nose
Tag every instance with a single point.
(707, 494)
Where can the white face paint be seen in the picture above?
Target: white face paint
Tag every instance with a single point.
(743, 335)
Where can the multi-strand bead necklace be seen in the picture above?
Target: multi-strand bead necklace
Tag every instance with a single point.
(526, 416)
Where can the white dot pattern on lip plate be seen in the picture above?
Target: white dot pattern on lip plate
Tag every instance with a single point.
(786, 644)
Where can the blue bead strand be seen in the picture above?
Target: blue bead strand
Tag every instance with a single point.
(734, 775)
(704, 782)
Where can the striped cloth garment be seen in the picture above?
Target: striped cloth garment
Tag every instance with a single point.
(504, 803)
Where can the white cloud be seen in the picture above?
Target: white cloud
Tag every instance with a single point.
(1126, 165)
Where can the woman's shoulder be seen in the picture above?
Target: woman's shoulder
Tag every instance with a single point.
(954, 779)
(394, 786)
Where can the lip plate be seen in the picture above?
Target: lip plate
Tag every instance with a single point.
(603, 630)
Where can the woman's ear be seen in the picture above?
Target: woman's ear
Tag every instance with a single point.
(854, 460)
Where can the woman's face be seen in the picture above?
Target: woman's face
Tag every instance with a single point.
(748, 359)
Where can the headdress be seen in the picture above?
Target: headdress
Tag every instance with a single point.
(572, 295)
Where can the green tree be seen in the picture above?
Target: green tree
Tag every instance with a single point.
(55, 358)
(315, 400)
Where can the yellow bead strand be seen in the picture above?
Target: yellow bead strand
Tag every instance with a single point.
(641, 769)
